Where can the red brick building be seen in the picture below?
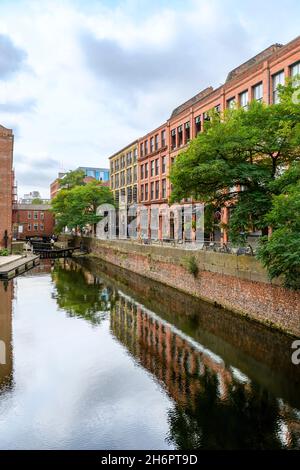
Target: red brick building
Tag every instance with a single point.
(33, 220)
(257, 79)
(6, 186)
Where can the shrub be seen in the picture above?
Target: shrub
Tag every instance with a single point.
(4, 252)
(192, 266)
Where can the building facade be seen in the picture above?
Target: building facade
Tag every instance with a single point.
(7, 190)
(32, 220)
(258, 79)
(124, 174)
(99, 174)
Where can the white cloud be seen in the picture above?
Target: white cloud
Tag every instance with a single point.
(83, 79)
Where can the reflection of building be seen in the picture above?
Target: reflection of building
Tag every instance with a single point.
(6, 186)
(203, 386)
(6, 297)
(33, 220)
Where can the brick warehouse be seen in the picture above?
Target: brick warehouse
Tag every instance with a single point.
(6, 186)
(257, 79)
(33, 220)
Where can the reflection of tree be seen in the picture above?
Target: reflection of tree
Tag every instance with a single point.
(78, 296)
(247, 419)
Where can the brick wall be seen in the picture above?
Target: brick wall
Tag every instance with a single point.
(6, 184)
(36, 220)
(238, 283)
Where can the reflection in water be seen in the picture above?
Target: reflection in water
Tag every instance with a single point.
(80, 293)
(220, 382)
(6, 296)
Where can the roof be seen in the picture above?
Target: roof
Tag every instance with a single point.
(253, 61)
(202, 94)
(124, 148)
(33, 207)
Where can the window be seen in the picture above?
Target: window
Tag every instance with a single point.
(156, 141)
(164, 189)
(152, 191)
(197, 125)
(163, 138)
(156, 166)
(146, 192)
(123, 178)
(218, 108)
(142, 149)
(231, 103)
(142, 192)
(258, 92)
(129, 195)
(156, 189)
(142, 172)
(135, 155)
(187, 134)
(134, 195)
(244, 99)
(35, 215)
(146, 170)
(129, 176)
(42, 215)
(29, 227)
(41, 227)
(152, 168)
(135, 174)
(163, 164)
(112, 182)
(173, 138)
(128, 158)
(152, 144)
(206, 116)
(29, 215)
(180, 136)
(36, 227)
(146, 147)
(277, 79)
(295, 69)
(112, 167)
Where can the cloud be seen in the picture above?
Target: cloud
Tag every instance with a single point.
(22, 106)
(98, 74)
(11, 57)
(36, 172)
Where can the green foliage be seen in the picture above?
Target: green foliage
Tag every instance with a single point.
(241, 160)
(192, 266)
(280, 254)
(76, 207)
(4, 252)
(37, 200)
(72, 179)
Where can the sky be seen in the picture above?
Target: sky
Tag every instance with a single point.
(80, 79)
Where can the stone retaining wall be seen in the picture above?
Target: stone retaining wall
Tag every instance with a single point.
(237, 283)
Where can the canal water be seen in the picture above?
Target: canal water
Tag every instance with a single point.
(93, 357)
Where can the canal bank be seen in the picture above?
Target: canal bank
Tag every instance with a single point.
(237, 283)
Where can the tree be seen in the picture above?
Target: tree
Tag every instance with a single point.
(280, 254)
(72, 179)
(76, 207)
(37, 200)
(234, 161)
